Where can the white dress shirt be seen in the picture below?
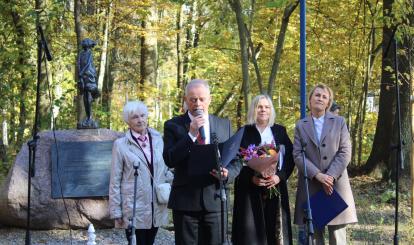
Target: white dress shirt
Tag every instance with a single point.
(266, 136)
(318, 123)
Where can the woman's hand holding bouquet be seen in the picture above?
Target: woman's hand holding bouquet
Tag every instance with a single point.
(263, 160)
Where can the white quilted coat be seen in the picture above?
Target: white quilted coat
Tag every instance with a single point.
(125, 153)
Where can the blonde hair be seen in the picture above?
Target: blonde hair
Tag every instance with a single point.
(324, 87)
(252, 112)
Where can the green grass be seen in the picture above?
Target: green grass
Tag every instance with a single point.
(374, 202)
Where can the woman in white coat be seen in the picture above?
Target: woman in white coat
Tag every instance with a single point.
(141, 146)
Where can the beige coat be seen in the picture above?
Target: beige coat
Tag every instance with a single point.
(332, 156)
(125, 153)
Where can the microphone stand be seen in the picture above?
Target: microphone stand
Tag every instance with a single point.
(308, 211)
(32, 144)
(133, 225)
(398, 147)
(222, 191)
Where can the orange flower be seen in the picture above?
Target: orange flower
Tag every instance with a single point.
(272, 152)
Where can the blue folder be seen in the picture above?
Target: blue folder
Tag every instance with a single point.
(231, 147)
(325, 208)
(203, 157)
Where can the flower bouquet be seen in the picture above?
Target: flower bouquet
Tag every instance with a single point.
(263, 160)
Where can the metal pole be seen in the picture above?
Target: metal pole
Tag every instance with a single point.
(32, 144)
(133, 224)
(399, 154)
(302, 58)
(222, 192)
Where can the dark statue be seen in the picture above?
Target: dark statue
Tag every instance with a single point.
(87, 84)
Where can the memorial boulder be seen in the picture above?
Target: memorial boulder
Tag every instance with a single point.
(63, 169)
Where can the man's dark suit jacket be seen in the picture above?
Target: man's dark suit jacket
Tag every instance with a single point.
(190, 193)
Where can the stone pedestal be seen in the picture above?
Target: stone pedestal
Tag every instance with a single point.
(48, 213)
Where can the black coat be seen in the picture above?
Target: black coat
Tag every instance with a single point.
(191, 193)
(249, 214)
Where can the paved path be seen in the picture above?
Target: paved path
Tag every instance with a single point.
(13, 236)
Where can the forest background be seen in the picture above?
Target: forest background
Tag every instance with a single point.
(149, 50)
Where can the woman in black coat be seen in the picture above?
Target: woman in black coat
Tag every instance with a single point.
(257, 218)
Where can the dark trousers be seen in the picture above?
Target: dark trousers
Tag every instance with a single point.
(144, 236)
(197, 228)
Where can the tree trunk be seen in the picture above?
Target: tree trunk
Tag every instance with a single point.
(279, 45)
(143, 59)
(352, 73)
(102, 63)
(197, 26)
(149, 53)
(411, 156)
(351, 86)
(409, 44)
(405, 69)
(357, 124)
(186, 54)
(362, 120)
(22, 62)
(4, 141)
(178, 25)
(380, 152)
(354, 131)
(90, 7)
(112, 74)
(226, 100)
(239, 118)
(254, 56)
(45, 103)
(3, 154)
(107, 88)
(373, 53)
(12, 134)
(4, 128)
(80, 35)
(237, 8)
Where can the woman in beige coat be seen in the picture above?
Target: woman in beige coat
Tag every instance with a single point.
(143, 147)
(328, 152)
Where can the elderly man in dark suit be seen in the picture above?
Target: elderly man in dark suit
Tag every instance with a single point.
(193, 199)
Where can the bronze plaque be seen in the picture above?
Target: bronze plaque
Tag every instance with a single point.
(81, 169)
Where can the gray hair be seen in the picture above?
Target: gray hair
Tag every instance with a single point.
(252, 112)
(132, 107)
(197, 82)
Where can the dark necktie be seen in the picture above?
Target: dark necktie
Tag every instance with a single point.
(200, 140)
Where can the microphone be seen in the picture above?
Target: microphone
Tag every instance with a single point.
(44, 43)
(222, 192)
(215, 142)
(303, 143)
(200, 112)
(136, 164)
